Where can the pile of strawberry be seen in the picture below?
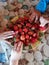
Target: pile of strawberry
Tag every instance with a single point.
(26, 31)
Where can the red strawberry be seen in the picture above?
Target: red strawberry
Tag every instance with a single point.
(30, 37)
(26, 18)
(20, 19)
(33, 28)
(36, 25)
(22, 37)
(28, 25)
(20, 30)
(34, 35)
(22, 33)
(22, 23)
(34, 40)
(30, 33)
(16, 32)
(25, 30)
(15, 28)
(26, 42)
(42, 28)
(27, 36)
(19, 25)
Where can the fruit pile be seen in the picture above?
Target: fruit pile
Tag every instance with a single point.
(29, 32)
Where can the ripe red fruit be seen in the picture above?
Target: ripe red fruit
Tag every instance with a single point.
(26, 18)
(15, 28)
(20, 19)
(27, 36)
(34, 35)
(22, 23)
(19, 25)
(34, 40)
(16, 32)
(20, 30)
(42, 28)
(30, 33)
(22, 37)
(30, 37)
(25, 30)
(28, 25)
(36, 25)
(26, 42)
(33, 28)
(22, 33)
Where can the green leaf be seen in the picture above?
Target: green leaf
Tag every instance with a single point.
(41, 34)
(40, 39)
(30, 47)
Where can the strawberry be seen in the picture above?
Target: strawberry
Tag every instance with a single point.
(34, 35)
(16, 32)
(26, 42)
(42, 28)
(33, 28)
(15, 28)
(34, 40)
(25, 30)
(28, 25)
(26, 18)
(20, 30)
(19, 25)
(22, 23)
(30, 33)
(27, 36)
(30, 37)
(20, 19)
(22, 37)
(22, 33)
